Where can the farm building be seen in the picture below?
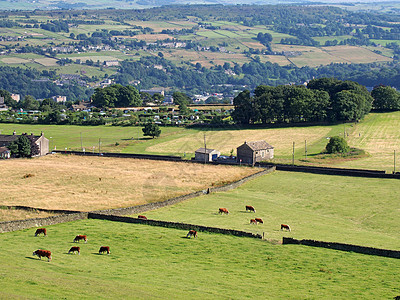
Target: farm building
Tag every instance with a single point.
(252, 152)
(40, 140)
(205, 154)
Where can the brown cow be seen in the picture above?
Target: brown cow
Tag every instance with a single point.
(250, 208)
(253, 221)
(41, 230)
(223, 211)
(104, 249)
(284, 226)
(142, 217)
(259, 220)
(75, 249)
(42, 253)
(192, 233)
(80, 237)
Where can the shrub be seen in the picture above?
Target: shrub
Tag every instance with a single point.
(337, 144)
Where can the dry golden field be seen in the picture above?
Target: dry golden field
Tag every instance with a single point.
(18, 214)
(92, 183)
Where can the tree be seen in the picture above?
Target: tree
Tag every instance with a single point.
(151, 129)
(386, 98)
(182, 100)
(29, 103)
(116, 95)
(21, 147)
(337, 144)
(243, 112)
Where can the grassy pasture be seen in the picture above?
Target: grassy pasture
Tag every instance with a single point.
(377, 134)
(361, 211)
(90, 183)
(159, 263)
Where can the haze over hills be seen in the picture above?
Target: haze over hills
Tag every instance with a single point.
(142, 4)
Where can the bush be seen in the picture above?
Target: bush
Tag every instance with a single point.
(337, 144)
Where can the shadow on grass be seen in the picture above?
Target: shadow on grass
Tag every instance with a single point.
(138, 139)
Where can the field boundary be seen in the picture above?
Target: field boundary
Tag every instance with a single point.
(68, 216)
(29, 208)
(333, 171)
(175, 225)
(171, 201)
(343, 247)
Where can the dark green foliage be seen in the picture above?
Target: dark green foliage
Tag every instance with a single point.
(151, 129)
(337, 144)
(325, 99)
(244, 112)
(116, 95)
(386, 98)
(21, 147)
(182, 100)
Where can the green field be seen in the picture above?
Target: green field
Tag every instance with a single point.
(377, 134)
(361, 211)
(159, 263)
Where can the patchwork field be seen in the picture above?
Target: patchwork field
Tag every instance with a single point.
(361, 211)
(159, 263)
(90, 183)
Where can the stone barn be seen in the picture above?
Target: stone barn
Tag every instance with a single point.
(252, 152)
(206, 154)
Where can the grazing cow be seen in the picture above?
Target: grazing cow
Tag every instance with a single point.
(104, 249)
(250, 208)
(253, 221)
(192, 233)
(286, 227)
(42, 253)
(41, 230)
(80, 237)
(259, 220)
(223, 211)
(142, 217)
(74, 249)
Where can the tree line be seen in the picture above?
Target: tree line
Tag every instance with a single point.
(325, 99)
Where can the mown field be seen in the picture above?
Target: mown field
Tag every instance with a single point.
(377, 134)
(159, 263)
(91, 183)
(361, 211)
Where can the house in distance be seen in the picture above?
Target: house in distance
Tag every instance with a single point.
(39, 140)
(252, 152)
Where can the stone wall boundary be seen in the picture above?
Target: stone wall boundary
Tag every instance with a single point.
(29, 208)
(69, 215)
(176, 225)
(151, 206)
(333, 171)
(343, 247)
(38, 222)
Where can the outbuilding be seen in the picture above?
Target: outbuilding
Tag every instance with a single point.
(252, 152)
(206, 154)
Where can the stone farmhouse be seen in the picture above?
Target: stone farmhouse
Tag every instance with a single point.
(40, 140)
(252, 152)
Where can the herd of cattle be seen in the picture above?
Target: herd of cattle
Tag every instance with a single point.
(46, 253)
(192, 233)
(256, 221)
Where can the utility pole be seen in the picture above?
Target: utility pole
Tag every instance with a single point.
(305, 147)
(394, 162)
(205, 149)
(293, 155)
